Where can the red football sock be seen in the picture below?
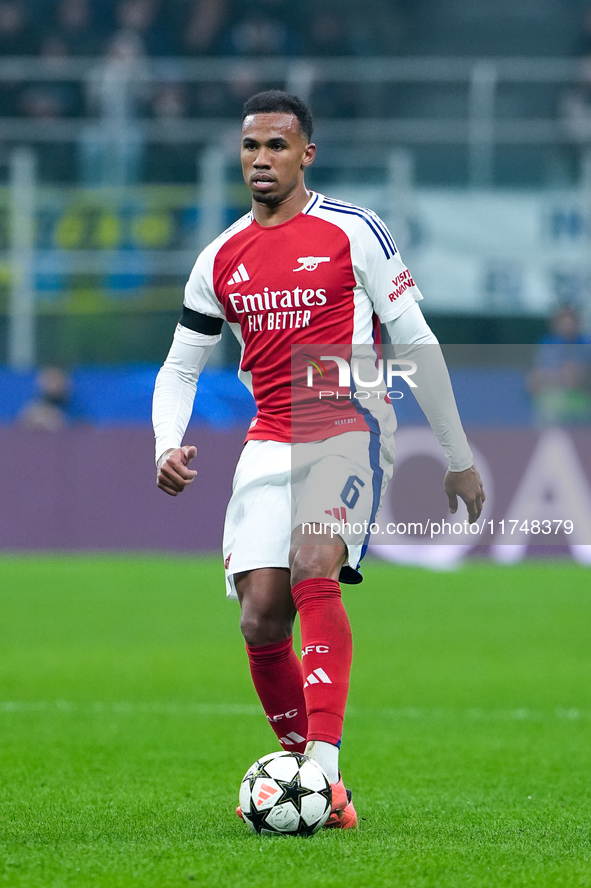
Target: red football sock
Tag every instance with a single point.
(277, 676)
(327, 651)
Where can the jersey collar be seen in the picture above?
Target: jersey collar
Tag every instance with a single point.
(314, 199)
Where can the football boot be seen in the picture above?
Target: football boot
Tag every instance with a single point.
(343, 814)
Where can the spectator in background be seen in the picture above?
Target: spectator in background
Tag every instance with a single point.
(83, 25)
(560, 383)
(575, 107)
(221, 99)
(240, 86)
(204, 26)
(263, 30)
(50, 409)
(585, 35)
(54, 53)
(40, 102)
(176, 162)
(328, 34)
(17, 34)
(170, 102)
(47, 101)
(112, 149)
(149, 20)
(17, 38)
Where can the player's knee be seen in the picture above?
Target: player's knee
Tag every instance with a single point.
(305, 567)
(263, 628)
(309, 562)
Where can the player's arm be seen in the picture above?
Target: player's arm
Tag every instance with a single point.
(414, 340)
(174, 394)
(394, 296)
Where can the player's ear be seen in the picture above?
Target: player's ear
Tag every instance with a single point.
(309, 155)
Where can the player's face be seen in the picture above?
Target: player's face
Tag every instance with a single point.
(274, 155)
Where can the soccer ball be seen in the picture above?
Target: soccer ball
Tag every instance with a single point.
(285, 793)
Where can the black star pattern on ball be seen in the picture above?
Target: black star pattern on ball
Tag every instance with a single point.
(293, 791)
(257, 818)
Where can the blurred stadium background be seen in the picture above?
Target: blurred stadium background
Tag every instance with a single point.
(466, 125)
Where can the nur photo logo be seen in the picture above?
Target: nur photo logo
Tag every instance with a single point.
(364, 373)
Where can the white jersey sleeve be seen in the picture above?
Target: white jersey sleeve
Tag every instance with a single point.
(196, 335)
(414, 340)
(199, 292)
(176, 385)
(378, 265)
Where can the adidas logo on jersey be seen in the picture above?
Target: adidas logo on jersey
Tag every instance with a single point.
(239, 276)
(340, 513)
(319, 676)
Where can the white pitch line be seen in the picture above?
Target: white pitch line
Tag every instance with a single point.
(124, 707)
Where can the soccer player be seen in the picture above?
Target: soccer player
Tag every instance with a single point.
(301, 269)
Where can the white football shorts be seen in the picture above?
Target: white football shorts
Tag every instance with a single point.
(339, 482)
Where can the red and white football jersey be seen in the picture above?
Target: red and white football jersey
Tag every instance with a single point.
(322, 277)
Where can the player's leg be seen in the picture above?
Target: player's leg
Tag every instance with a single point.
(256, 554)
(326, 642)
(320, 474)
(341, 478)
(267, 611)
(326, 656)
(267, 617)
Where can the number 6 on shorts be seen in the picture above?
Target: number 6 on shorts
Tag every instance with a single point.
(350, 492)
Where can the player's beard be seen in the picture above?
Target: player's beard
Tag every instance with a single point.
(270, 200)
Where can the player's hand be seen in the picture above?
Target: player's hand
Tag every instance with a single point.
(172, 475)
(468, 486)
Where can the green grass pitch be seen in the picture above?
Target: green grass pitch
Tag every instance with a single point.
(127, 720)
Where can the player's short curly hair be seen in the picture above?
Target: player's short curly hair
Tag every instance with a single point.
(275, 100)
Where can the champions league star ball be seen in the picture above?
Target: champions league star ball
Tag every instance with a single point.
(286, 794)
